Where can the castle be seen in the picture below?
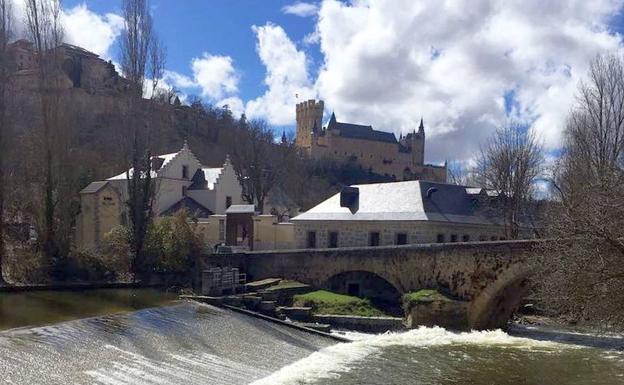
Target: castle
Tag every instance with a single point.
(377, 151)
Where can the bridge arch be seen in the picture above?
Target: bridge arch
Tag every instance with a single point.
(495, 304)
(362, 283)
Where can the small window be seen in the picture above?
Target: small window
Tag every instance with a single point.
(183, 191)
(453, 237)
(228, 202)
(311, 240)
(373, 238)
(441, 238)
(221, 229)
(401, 239)
(108, 199)
(333, 239)
(185, 172)
(466, 238)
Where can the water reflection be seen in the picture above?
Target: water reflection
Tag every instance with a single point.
(37, 308)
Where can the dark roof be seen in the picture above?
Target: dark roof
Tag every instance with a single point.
(357, 131)
(94, 187)
(198, 180)
(192, 206)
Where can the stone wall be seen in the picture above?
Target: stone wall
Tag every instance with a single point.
(357, 233)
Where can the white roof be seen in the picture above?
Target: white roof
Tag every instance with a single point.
(240, 209)
(167, 158)
(403, 201)
(211, 175)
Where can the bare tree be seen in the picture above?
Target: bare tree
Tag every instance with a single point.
(44, 26)
(586, 265)
(142, 55)
(254, 156)
(510, 163)
(6, 29)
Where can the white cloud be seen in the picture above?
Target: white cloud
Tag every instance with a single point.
(215, 75)
(82, 27)
(234, 103)
(286, 78)
(89, 30)
(389, 62)
(301, 9)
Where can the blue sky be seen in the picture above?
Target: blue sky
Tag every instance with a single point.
(220, 27)
(465, 66)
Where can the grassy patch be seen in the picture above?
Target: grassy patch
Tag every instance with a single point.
(326, 302)
(424, 295)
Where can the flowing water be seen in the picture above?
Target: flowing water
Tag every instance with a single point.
(187, 343)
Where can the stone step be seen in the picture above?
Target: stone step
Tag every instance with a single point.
(252, 301)
(298, 313)
(267, 307)
(262, 284)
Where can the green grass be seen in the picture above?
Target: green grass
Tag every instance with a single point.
(424, 295)
(327, 302)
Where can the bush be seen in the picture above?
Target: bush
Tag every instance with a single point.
(172, 244)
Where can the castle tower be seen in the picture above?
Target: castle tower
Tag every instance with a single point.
(418, 145)
(309, 118)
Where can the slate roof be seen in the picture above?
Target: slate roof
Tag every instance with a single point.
(93, 187)
(194, 208)
(357, 131)
(405, 201)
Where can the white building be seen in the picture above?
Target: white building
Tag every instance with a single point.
(181, 181)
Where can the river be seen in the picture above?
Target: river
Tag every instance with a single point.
(187, 343)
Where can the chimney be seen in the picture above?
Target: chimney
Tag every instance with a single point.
(350, 198)
(157, 163)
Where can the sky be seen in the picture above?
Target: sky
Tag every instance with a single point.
(465, 67)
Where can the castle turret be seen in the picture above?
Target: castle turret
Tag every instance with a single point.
(309, 119)
(418, 145)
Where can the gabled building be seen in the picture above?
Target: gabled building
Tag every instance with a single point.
(400, 213)
(181, 182)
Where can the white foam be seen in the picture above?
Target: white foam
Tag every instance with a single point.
(331, 361)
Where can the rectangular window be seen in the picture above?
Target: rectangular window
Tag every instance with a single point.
(311, 240)
(373, 238)
(466, 238)
(228, 202)
(441, 238)
(185, 172)
(221, 229)
(401, 239)
(183, 191)
(333, 239)
(453, 237)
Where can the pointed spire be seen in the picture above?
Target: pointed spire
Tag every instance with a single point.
(421, 128)
(332, 119)
(284, 140)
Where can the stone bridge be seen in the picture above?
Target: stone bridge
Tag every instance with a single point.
(491, 276)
